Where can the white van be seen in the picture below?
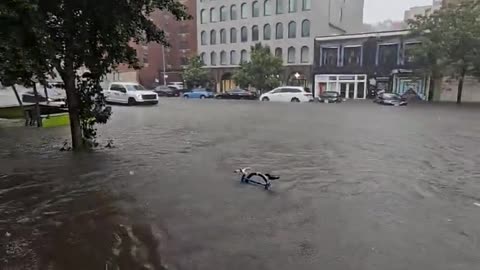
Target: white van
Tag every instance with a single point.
(129, 93)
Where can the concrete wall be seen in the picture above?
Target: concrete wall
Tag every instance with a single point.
(471, 90)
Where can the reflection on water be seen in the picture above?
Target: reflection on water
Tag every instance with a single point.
(363, 187)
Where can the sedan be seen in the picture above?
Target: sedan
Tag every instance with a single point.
(166, 91)
(391, 99)
(330, 97)
(198, 93)
(237, 94)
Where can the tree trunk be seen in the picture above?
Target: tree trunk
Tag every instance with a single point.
(73, 101)
(460, 86)
(38, 114)
(46, 93)
(20, 103)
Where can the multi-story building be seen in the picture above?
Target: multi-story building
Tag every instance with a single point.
(422, 10)
(165, 64)
(358, 65)
(228, 28)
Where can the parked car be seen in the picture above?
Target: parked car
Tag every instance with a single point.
(129, 93)
(330, 97)
(199, 93)
(54, 95)
(391, 99)
(166, 91)
(288, 94)
(176, 85)
(237, 94)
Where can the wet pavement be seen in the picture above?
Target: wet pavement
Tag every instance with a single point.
(362, 187)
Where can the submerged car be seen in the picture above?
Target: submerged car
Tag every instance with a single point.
(237, 94)
(200, 93)
(50, 95)
(330, 97)
(166, 91)
(288, 94)
(391, 99)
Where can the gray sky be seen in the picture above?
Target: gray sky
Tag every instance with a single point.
(380, 10)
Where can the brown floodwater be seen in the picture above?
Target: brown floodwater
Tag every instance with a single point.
(362, 187)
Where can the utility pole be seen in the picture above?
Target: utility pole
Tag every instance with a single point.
(164, 70)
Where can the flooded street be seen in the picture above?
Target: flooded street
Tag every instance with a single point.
(363, 187)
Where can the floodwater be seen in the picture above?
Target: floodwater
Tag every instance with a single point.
(363, 187)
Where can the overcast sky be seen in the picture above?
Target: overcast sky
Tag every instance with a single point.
(380, 10)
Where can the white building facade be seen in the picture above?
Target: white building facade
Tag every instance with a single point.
(228, 28)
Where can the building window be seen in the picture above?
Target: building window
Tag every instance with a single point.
(292, 30)
(223, 58)
(183, 45)
(233, 35)
(329, 57)
(279, 31)
(387, 55)
(183, 61)
(244, 10)
(223, 14)
(213, 15)
(291, 55)
(304, 54)
(243, 56)
(213, 37)
(280, 7)
(203, 58)
(352, 56)
(409, 52)
(223, 36)
(244, 34)
(279, 52)
(307, 4)
(233, 12)
(267, 8)
(255, 33)
(255, 9)
(306, 28)
(203, 37)
(233, 58)
(213, 58)
(267, 32)
(292, 6)
(203, 15)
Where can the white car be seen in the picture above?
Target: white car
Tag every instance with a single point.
(287, 94)
(129, 93)
(176, 85)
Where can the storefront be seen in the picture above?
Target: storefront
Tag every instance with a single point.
(349, 86)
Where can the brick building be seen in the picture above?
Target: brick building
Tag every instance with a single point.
(182, 37)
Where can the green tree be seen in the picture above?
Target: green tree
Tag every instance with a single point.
(194, 74)
(262, 72)
(451, 41)
(73, 35)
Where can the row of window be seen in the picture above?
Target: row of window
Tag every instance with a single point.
(386, 55)
(267, 33)
(291, 56)
(224, 11)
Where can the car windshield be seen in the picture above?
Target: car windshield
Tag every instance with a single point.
(135, 87)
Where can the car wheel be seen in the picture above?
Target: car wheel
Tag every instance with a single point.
(131, 101)
(185, 96)
(265, 99)
(203, 97)
(296, 100)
